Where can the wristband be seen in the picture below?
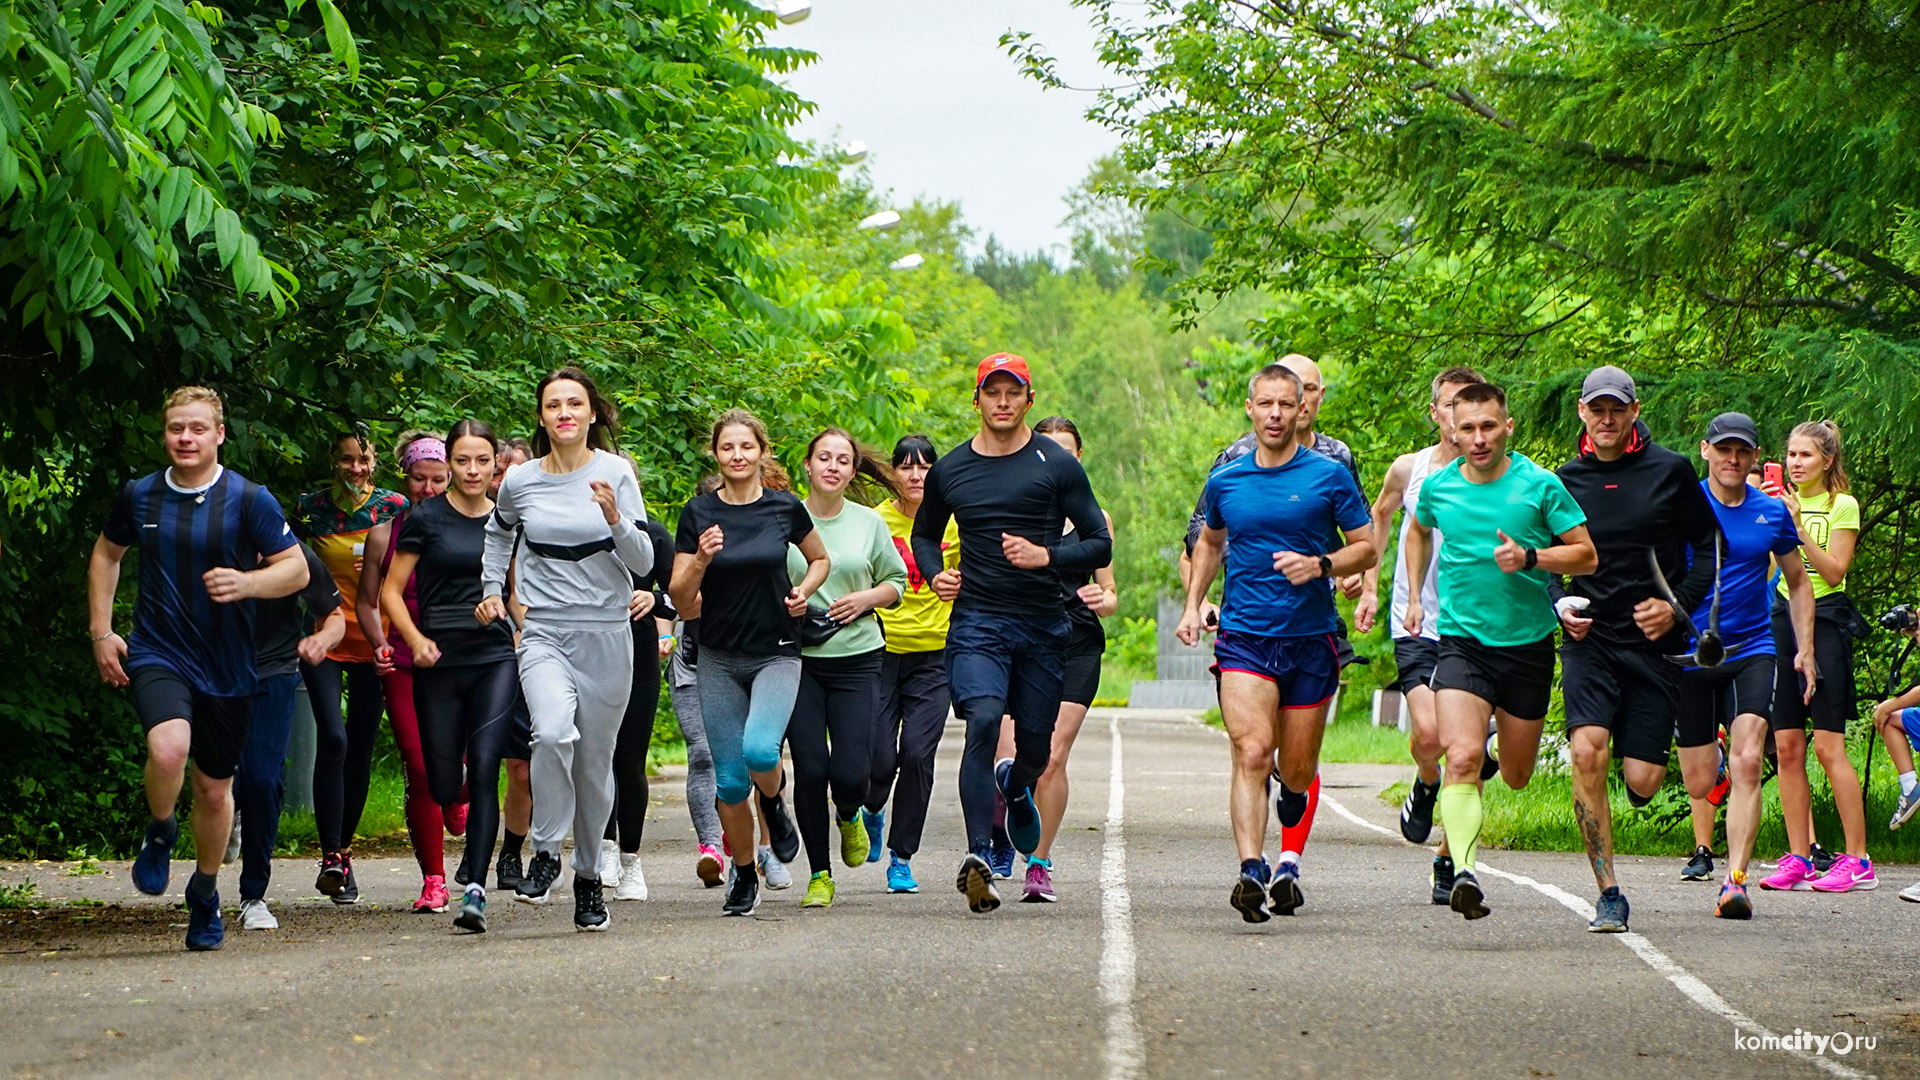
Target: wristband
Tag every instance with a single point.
(97, 638)
(1533, 558)
(1326, 567)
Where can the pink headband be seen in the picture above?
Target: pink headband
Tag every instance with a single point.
(423, 449)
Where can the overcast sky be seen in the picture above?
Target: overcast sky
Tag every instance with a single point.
(947, 114)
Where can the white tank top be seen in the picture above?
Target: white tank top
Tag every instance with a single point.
(1430, 587)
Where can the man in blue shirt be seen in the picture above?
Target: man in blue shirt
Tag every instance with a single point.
(1756, 532)
(190, 659)
(1280, 505)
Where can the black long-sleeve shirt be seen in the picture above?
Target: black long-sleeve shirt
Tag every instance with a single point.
(1031, 493)
(1647, 499)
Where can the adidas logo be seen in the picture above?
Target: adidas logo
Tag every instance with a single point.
(1760, 519)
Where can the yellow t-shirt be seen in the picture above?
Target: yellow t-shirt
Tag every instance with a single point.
(919, 624)
(1822, 515)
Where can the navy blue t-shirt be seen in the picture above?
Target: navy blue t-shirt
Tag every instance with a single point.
(1296, 506)
(182, 535)
(1757, 529)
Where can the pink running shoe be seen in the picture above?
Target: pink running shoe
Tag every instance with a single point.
(433, 895)
(1793, 874)
(1039, 887)
(1848, 875)
(712, 871)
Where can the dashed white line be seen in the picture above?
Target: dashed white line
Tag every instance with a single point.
(1125, 1051)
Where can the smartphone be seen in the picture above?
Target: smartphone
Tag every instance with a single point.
(1771, 475)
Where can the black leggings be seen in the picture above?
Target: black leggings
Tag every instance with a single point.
(906, 735)
(343, 748)
(630, 792)
(831, 734)
(466, 722)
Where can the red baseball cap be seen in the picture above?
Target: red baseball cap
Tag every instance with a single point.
(1015, 366)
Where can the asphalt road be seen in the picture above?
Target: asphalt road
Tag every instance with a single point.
(1140, 970)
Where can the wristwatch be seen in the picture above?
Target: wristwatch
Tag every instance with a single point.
(1533, 558)
(1326, 567)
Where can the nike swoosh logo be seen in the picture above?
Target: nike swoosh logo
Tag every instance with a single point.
(786, 642)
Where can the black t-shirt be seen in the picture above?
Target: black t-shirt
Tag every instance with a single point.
(280, 623)
(449, 544)
(743, 597)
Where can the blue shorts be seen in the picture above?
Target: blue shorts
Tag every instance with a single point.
(1910, 719)
(1306, 668)
(1015, 659)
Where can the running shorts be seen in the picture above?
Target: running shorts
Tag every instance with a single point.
(219, 723)
(1633, 693)
(1415, 657)
(1711, 697)
(1833, 700)
(1305, 668)
(1516, 679)
(1084, 651)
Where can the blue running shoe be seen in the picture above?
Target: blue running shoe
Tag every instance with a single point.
(1023, 818)
(876, 824)
(205, 931)
(1249, 896)
(150, 867)
(1000, 858)
(900, 876)
(1283, 893)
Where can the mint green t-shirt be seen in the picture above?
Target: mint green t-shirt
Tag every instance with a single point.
(1478, 599)
(861, 552)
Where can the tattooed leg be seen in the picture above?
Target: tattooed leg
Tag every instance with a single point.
(1591, 811)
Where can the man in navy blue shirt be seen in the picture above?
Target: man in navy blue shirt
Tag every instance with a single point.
(210, 541)
(1280, 506)
(1737, 694)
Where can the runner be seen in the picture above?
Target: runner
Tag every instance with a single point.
(1414, 654)
(730, 565)
(1007, 638)
(651, 617)
(1500, 514)
(1898, 720)
(1645, 507)
(191, 657)
(831, 732)
(1737, 693)
(913, 677)
(1275, 654)
(1828, 521)
(336, 522)
(569, 522)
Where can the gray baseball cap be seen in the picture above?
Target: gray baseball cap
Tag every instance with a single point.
(1733, 426)
(1608, 381)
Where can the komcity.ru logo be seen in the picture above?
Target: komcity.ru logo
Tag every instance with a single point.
(1806, 1042)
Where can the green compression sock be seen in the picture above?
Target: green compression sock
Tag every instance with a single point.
(1461, 815)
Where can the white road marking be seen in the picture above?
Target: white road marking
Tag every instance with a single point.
(1125, 1052)
(1683, 980)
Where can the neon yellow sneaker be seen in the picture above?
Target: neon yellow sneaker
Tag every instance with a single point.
(819, 890)
(853, 841)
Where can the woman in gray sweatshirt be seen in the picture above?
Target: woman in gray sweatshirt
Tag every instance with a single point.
(571, 523)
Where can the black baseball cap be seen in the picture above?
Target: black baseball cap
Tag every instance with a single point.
(1733, 427)
(1608, 381)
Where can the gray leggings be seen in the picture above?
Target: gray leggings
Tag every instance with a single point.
(746, 700)
(700, 782)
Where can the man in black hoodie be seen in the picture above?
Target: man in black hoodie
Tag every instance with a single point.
(1644, 506)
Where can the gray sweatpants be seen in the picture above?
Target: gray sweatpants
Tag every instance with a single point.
(576, 680)
(700, 781)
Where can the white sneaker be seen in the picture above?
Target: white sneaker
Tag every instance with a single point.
(1911, 892)
(233, 842)
(633, 883)
(772, 870)
(255, 916)
(609, 863)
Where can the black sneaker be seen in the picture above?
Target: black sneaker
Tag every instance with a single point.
(743, 891)
(538, 882)
(1700, 867)
(1466, 897)
(1821, 858)
(1609, 913)
(1249, 898)
(1442, 880)
(461, 875)
(507, 872)
(349, 887)
(1289, 806)
(975, 880)
(333, 874)
(781, 835)
(1416, 817)
(589, 907)
(473, 912)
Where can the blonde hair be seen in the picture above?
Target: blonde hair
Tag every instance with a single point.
(1825, 436)
(197, 395)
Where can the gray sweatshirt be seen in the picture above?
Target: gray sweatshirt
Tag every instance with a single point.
(572, 567)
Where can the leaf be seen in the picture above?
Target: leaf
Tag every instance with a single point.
(200, 206)
(340, 37)
(226, 234)
(475, 284)
(175, 188)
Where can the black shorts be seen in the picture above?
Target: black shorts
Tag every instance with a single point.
(1516, 679)
(219, 723)
(520, 740)
(1084, 650)
(1415, 657)
(1833, 695)
(1633, 693)
(1711, 697)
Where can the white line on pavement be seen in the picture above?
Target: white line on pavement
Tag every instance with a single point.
(1683, 980)
(1126, 1055)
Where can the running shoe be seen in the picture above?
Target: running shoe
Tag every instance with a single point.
(1821, 858)
(743, 891)
(333, 874)
(1903, 810)
(473, 911)
(1700, 867)
(455, 819)
(205, 931)
(1466, 898)
(1023, 818)
(1722, 781)
(1442, 880)
(609, 863)
(1911, 893)
(233, 842)
(853, 840)
(507, 872)
(819, 890)
(589, 906)
(900, 876)
(1848, 875)
(1249, 896)
(713, 872)
(1794, 873)
(1039, 887)
(876, 821)
(1289, 806)
(633, 881)
(463, 874)
(1490, 766)
(433, 896)
(152, 867)
(1416, 815)
(349, 886)
(781, 835)
(976, 881)
(1000, 859)
(1734, 903)
(537, 886)
(254, 915)
(1610, 912)
(772, 869)
(1283, 892)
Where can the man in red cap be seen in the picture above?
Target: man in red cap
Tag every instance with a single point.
(1012, 495)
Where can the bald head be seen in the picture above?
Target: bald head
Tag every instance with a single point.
(1313, 391)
